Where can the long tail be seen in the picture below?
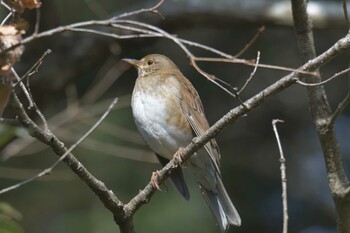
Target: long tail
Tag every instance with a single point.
(221, 206)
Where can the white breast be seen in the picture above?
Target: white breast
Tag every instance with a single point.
(150, 113)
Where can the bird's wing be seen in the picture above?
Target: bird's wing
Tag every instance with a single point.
(192, 107)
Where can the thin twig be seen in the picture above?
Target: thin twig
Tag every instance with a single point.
(252, 74)
(5, 5)
(152, 9)
(342, 105)
(113, 34)
(34, 68)
(37, 21)
(250, 63)
(336, 75)
(211, 77)
(26, 90)
(283, 176)
(32, 104)
(9, 14)
(23, 87)
(49, 170)
(6, 18)
(251, 42)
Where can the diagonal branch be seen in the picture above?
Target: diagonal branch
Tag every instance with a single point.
(107, 197)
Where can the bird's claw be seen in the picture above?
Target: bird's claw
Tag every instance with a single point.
(154, 180)
(179, 155)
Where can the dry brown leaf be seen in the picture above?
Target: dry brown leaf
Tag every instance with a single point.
(9, 36)
(31, 4)
(20, 5)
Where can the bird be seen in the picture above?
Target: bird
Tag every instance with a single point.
(168, 114)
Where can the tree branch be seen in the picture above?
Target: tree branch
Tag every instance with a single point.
(283, 176)
(107, 197)
(321, 114)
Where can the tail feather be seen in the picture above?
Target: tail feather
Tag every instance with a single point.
(177, 179)
(221, 206)
(227, 205)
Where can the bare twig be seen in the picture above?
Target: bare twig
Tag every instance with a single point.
(9, 14)
(342, 105)
(251, 63)
(6, 6)
(152, 9)
(251, 42)
(283, 176)
(325, 81)
(6, 18)
(23, 87)
(37, 21)
(32, 104)
(227, 88)
(34, 68)
(49, 170)
(252, 74)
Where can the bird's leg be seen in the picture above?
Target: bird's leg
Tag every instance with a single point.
(179, 155)
(154, 180)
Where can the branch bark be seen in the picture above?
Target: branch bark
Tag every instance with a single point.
(322, 117)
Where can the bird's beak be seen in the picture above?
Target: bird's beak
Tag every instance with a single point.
(133, 62)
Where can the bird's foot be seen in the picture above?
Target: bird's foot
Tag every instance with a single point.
(179, 155)
(154, 180)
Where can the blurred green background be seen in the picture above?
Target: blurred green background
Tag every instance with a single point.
(87, 68)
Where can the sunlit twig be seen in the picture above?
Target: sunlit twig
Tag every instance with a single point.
(283, 176)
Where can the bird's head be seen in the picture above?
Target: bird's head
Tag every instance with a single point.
(152, 63)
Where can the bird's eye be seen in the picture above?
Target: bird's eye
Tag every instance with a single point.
(149, 62)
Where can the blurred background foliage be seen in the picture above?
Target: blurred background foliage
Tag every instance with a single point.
(76, 82)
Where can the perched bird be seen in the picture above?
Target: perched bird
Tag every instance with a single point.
(168, 113)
